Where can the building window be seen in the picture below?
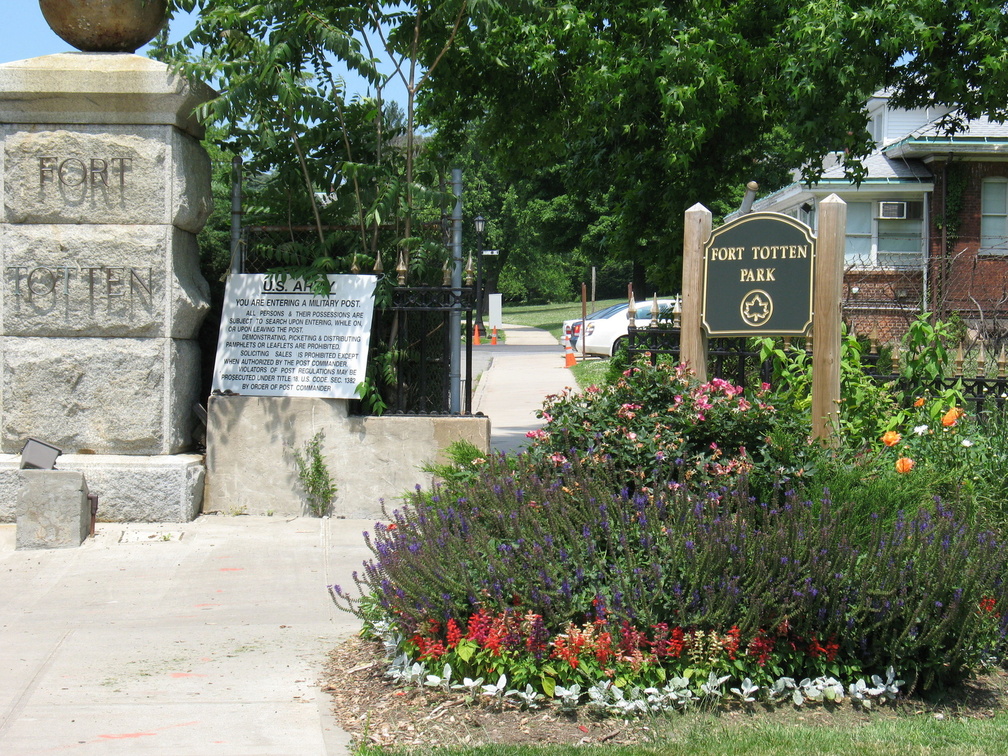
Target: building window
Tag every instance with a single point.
(899, 243)
(859, 234)
(994, 217)
(887, 234)
(804, 212)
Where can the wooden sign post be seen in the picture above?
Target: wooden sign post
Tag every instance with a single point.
(692, 337)
(826, 325)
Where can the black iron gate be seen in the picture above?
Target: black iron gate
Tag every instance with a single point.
(421, 339)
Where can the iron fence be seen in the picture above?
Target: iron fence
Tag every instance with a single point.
(420, 336)
(883, 295)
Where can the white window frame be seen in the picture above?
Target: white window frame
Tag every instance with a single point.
(859, 261)
(999, 248)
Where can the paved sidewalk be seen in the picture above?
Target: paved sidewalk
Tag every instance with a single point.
(525, 370)
(186, 639)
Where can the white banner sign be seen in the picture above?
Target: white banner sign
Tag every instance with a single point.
(277, 338)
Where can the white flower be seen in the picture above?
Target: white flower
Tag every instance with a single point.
(967, 443)
(920, 430)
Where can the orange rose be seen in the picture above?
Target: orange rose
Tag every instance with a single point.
(919, 402)
(891, 438)
(904, 465)
(951, 417)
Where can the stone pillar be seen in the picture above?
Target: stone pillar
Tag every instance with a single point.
(104, 186)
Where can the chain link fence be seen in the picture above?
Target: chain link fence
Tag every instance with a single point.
(957, 285)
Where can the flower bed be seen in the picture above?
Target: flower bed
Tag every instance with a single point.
(642, 573)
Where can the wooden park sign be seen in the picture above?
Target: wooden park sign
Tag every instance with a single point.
(765, 274)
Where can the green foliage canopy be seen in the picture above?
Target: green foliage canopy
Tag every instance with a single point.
(658, 105)
(321, 154)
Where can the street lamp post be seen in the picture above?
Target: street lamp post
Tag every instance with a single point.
(480, 223)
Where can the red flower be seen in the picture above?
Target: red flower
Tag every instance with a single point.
(676, 643)
(816, 649)
(492, 641)
(562, 651)
(631, 639)
(732, 640)
(454, 634)
(604, 647)
(989, 605)
(428, 647)
(479, 626)
(568, 645)
(568, 654)
(761, 646)
(660, 643)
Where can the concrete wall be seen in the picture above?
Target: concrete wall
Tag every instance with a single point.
(251, 443)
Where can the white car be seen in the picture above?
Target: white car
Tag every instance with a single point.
(604, 335)
(572, 328)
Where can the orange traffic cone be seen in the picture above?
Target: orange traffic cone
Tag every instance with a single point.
(493, 339)
(476, 341)
(569, 358)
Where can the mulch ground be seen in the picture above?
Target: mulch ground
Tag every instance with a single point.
(371, 708)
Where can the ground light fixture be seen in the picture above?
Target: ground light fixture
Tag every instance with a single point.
(38, 455)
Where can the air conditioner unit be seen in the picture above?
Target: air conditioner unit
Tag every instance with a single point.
(893, 210)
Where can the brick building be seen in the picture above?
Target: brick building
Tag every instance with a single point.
(927, 228)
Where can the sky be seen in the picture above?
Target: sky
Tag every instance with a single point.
(24, 33)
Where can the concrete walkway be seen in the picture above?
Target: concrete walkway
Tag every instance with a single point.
(194, 639)
(207, 637)
(525, 370)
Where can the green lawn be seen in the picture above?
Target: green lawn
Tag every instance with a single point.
(590, 372)
(704, 735)
(550, 317)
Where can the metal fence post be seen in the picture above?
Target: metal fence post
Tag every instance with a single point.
(237, 259)
(455, 328)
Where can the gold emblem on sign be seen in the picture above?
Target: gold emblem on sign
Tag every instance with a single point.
(756, 308)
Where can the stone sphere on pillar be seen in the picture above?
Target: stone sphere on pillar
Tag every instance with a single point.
(105, 25)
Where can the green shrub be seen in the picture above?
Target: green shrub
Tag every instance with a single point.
(990, 467)
(866, 406)
(314, 476)
(657, 424)
(926, 353)
(463, 465)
